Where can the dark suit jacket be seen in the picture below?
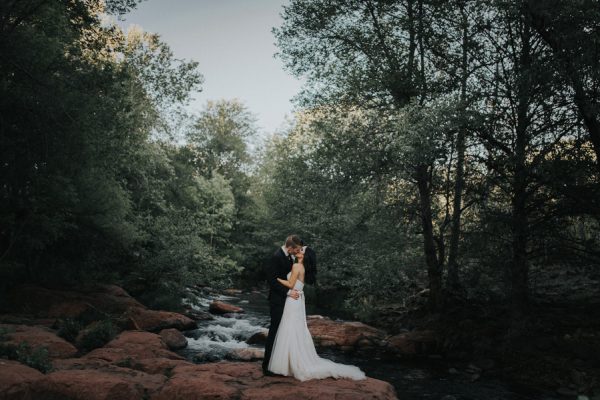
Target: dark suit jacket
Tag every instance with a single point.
(310, 265)
(278, 266)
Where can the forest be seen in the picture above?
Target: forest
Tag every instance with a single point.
(444, 158)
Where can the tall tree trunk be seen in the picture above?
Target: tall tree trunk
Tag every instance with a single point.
(434, 270)
(519, 267)
(459, 182)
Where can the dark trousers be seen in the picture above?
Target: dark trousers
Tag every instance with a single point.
(276, 314)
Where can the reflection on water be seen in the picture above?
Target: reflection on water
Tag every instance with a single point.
(421, 379)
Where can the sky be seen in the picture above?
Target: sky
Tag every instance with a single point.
(232, 41)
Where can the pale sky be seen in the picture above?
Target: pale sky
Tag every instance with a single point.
(232, 41)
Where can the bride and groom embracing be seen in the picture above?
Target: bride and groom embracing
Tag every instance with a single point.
(290, 349)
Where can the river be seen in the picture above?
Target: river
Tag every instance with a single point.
(427, 378)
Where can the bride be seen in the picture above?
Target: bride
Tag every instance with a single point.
(293, 350)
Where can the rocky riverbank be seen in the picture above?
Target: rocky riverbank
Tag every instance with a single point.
(554, 347)
(104, 344)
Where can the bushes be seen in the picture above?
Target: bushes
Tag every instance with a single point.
(68, 328)
(97, 335)
(35, 358)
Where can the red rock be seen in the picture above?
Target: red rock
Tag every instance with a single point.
(93, 304)
(113, 383)
(131, 346)
(113, 299)
(246, 354)
(173, 339)
(166, 379)
(197, 315)
(69, 303)
(158, 365)
(346, 335)
(259, 337)
(414, 342)
(232, 292)
(218, 307)
(16, 380)
(154, 321)
(37, 337)
(79, 363)
(227, 380)
(195, 382)
(71, 309)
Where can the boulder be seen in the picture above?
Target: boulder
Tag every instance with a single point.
(131, 346)
(110, 383)
(195, 382)
(41, 301)
(345, 335)
(155, 321)
(259, 337)
(37, 336)
(197, 315)
(173, 338)
(159, 365)
(232, 292)
(219, 307)
(246, 354)
(160, 378)
(228, 380)
(414, 342)
(16, 380)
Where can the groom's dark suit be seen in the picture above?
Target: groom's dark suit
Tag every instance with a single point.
(278, 267)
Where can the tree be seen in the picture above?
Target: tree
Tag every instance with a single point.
(571, 30)
(91, 189)
(375, 54)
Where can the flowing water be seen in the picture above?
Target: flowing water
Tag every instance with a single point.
(428, 378)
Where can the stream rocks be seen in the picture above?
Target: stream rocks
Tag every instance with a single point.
(246, 354)
(138, 365)
(351, 336)
(219, 307)
(173, 339)
(346, 336)
(131, 346)
(153, 321)
(414, 342)
(259, 337)
(32, 303)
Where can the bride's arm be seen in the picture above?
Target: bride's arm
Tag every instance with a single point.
(293, 278)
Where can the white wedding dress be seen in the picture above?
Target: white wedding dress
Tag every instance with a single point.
(294, 351)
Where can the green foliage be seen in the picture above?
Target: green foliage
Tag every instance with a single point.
(35, 358)
(68, 329)
(350, 218)
(100, 333)
(95, 184)
(3, 332)
(431, 121)
(427, 121)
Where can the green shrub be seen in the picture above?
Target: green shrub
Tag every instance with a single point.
(68, 329)
(35, 358)
(98, 335)
(126, 363)
(3, 332)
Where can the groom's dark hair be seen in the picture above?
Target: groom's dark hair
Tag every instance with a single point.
(293, 241)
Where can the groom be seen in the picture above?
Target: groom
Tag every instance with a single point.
(278, 267)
